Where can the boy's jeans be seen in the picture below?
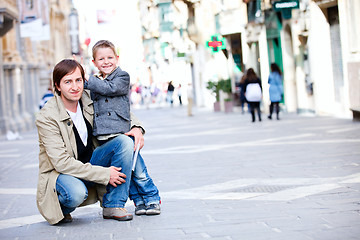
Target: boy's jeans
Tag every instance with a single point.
(117, 152)
(142, 187)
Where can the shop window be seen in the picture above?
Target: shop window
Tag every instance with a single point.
(253, 10)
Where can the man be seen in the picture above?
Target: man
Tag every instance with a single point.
(71, 172)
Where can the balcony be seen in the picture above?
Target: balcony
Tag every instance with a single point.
(8, 14)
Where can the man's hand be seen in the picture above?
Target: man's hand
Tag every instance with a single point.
(138, 136)
(116, 177)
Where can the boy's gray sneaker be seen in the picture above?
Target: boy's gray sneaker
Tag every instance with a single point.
(140, 210)
(153, 209)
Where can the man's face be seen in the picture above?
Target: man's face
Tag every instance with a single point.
(71, 87)
(105, 60)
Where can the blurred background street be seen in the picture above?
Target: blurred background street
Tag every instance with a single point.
(206, 44)
(220, 177)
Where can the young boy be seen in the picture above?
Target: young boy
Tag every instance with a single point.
(109, 91)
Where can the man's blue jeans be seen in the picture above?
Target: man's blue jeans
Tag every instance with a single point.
(117, 152)
(142, 187)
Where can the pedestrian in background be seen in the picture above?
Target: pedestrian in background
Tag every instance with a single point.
(170, 92)
(49, 94)
(155, 92)
(179, 92)
(276, 90)
(110, 92)
(253, 92)
(147, 96)
(190, 98)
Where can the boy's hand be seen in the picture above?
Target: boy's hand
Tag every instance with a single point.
(81, 60)
(83, 66)
(138, 136)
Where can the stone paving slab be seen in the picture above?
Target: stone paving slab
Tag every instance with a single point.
(220, 177)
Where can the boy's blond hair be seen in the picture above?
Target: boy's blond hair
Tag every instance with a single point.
(103, 44)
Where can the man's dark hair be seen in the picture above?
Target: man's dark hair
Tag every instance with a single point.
(63, 68)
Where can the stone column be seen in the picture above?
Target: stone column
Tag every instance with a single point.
(3, 113)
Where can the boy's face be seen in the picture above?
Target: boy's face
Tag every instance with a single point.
(105, 60)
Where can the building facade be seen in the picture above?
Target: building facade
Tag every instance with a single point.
(167, 46)
(315, 43)
(27, 59)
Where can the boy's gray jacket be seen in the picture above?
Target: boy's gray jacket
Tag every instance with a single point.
(58, 154)
(111, 102)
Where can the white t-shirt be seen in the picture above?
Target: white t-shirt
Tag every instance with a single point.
(80, 124)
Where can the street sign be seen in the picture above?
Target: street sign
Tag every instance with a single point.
(285, 5)
(216, 43)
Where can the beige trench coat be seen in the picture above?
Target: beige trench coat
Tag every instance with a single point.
(58, 154)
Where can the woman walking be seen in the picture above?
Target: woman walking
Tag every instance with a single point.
(253, 92)
(275, 90)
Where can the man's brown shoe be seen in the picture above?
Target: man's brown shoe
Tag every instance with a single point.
(119, 214)
(67, 218)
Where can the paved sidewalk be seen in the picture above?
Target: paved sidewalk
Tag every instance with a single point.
(220, 177)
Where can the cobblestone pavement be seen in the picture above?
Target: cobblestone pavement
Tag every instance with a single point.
(220, 177)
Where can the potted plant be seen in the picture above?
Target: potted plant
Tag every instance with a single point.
(229, 104)
(225, 86)
(215, 88)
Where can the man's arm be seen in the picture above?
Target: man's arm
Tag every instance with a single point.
(57, 153)
(53, 144)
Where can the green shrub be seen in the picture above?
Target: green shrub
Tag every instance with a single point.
(222, 84)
